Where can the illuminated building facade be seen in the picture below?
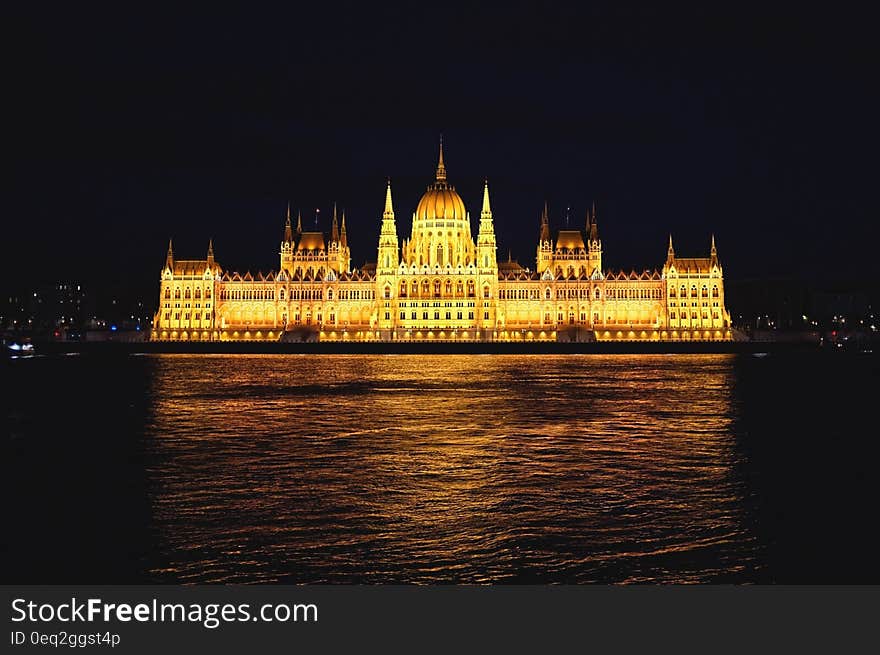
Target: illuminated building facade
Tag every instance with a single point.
(441, 284)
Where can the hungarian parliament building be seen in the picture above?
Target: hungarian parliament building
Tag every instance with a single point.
(442, 285)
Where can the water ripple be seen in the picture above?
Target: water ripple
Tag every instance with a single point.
(450, 469)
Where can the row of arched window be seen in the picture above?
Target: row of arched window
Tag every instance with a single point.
(247, 294)
(187, 293)
(704, 291)
(435, 290)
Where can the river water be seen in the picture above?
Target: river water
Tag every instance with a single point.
(441, 469)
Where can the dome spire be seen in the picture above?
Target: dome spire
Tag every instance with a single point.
(441, 167)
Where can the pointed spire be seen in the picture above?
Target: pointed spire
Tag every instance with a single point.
(299, 222)
(594, 224)
(288, 233)
(389, 208)
(487, 209)
(343, 235)
(670, 252)
(545, 224)
(210, 252)
(713, 252)
(334, 230)
(441, 168)
(169, 258)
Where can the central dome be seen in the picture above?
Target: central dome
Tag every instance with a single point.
(441, 231)
(440, 200)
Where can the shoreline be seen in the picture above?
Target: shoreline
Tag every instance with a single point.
(426, 348)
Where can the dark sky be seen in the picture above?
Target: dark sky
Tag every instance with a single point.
(130, 126)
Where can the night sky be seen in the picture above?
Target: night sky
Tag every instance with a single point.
(129, 127)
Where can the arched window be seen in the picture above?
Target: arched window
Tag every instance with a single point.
(198, 294)
(704, 292)
(187, 294)
(598, 295)
(403, 289)
(684, 291)
(486, 291)
(426, 288)
(672, 292)
(387, 292)
(714, 291)
(694, 291)
(439, 255)
(167, 294)
(436, 288)
(177, 294)
(459, 289)
(415, 288)
(470, 288)
(448, 287)
(281, 294)
(547, 293)
(330, 294)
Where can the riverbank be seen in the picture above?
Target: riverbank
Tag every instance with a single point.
(406, 348)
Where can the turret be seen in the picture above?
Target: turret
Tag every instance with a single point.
(169, 258)
(388, 254)
(486, 245)
(592, 225)
(288, 233)
(211, 253)
(545, 225)
(594, 243)
(487, 264)
(334, 230)
(545, 246)
(287, 244)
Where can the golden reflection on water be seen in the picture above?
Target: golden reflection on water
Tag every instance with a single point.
(447, 469)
